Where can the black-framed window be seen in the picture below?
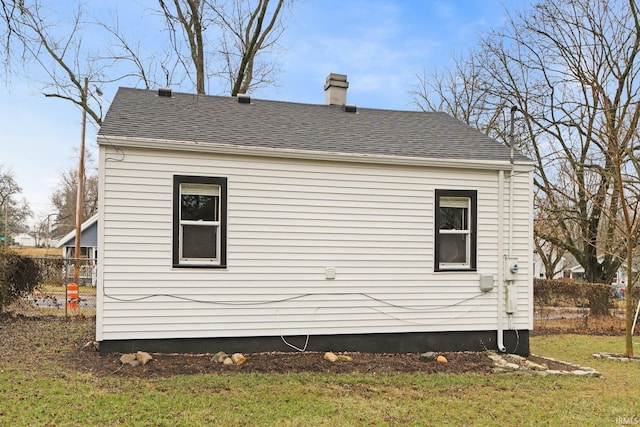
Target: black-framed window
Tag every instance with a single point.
(455, 230)
(199, 221)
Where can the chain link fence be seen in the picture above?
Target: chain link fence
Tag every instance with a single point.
(56, 295)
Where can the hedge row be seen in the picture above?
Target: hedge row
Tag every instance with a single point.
(562, 292)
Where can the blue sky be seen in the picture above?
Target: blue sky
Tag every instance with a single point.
(380, 45)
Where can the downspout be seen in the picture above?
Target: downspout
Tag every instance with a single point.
(502, 259)
(510, 245)
(500, 329)
(510, 284)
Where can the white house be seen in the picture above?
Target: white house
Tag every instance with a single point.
(539, 269)
(24, 239)
(240, 224)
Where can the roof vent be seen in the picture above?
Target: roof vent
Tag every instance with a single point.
(349, 108)
(164, 91)
(244, 99)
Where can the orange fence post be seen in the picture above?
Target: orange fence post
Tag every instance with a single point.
(73, 298)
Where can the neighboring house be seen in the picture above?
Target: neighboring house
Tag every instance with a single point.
(573, 270)
(239, 224)
(24, 239)
(88, 249)
(539, 269)
(88, 240)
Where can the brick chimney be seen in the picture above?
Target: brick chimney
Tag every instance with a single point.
(335, 89)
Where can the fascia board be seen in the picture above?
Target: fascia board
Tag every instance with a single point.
(208, 147)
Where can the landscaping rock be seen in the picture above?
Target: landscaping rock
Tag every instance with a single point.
(136, 359)
(345, 358)
(331, 357)
(143, 357)
(127, 358)
(516, 358)
(91, 345)
(429, 356)
(219, 357)
(238, 358)
(617, 357)
(535, 366)
(227, 361)
(442, 359)
(495, 357)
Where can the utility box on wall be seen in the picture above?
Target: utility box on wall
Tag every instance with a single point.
(486, 282)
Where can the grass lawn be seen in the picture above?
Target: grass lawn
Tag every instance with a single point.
(35, 390)
(32, 251)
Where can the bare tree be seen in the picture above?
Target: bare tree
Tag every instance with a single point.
(245, 29)
(57, 50)
(245, 33)
(545, 223)
(123, 52)
(7, 10)
(225, 39)
(572, 69)
(13, 212)
(64, 200)
(41, 229)
(587, 56)
(187, 16)
(465, 92)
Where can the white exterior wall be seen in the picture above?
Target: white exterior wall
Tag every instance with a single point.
(288, 220)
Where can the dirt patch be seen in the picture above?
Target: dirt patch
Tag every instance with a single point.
(26, 343)
(165, 365)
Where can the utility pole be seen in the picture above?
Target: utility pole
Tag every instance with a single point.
(6, 221)
(79, 201)
(48, 238)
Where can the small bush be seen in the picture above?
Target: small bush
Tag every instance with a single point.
(19, 276)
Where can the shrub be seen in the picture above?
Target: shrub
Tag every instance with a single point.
(19, 276)
(52, 270)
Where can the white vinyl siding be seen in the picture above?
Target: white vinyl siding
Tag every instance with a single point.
(288, 221)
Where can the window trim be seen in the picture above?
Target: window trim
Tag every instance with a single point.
(472, 195)
(178, 180)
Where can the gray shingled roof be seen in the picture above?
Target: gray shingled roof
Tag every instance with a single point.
(137, 113)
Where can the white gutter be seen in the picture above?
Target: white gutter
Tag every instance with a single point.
(501, 302)
(217, 148)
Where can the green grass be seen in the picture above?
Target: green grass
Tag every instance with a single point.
(51, 396)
